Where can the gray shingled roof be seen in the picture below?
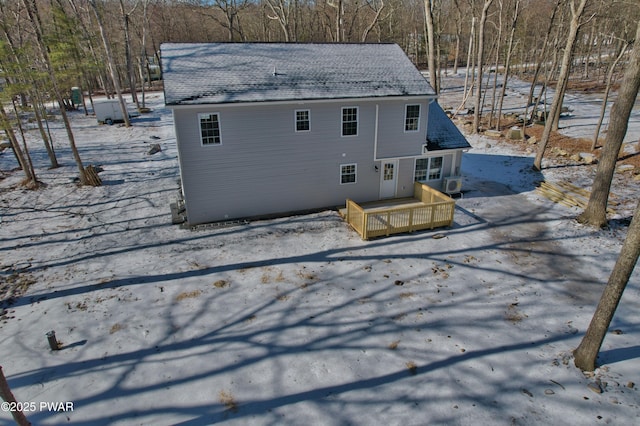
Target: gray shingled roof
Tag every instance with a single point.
(206, 73)
(442, 133)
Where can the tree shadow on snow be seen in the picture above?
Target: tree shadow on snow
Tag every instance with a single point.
(612, 356)
(266, 351)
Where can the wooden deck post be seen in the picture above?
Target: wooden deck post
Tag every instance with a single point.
(411, 220)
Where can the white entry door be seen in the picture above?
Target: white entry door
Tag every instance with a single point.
(388, 178)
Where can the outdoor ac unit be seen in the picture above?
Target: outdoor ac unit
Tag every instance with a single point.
(453, 184)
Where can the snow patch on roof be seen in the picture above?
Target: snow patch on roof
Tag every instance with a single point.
(211, 73)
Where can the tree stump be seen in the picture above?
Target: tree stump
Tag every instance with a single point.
(91, 175)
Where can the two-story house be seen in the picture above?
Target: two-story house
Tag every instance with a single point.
(267, 129)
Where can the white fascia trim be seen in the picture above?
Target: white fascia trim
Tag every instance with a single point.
(439, 153)
(305, 102)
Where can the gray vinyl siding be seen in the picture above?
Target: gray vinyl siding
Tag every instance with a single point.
(393, 141)
(263, 166)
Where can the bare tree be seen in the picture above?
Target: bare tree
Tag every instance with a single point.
(32, 11)
(563, 79)
(478, 108)
(497, 43)
(431, 44)
(100, 74)
(507, 65)
(231, 10)
(112, 66)
(376, 6)
(605, 97)
(541, 60)
(596, 212)
(25, 165)
(587, 352)
(284, 13)
(338, 5)
(131, 76)
(143, 62)
(23, 71)
(470, 68)
(458, 26)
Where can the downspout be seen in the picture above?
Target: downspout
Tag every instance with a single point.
(375, 137)
(455, 171)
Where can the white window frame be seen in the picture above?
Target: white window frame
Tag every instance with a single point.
(295, 120)
(343, 174)
(342, 122)
(406, 118)
(430, 169)
(209, 114)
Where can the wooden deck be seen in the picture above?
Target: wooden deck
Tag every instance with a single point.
(428, 209)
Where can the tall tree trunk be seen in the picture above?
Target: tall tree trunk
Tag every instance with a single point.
(603, 109)
(596, 212)
(470, 68)
(586, 57)
(48, 144)
(15, 145)
(478, 108)
(507, 65)
(144, 65)
(543, 55)
(24, 143)
(458, 35)
(563, 79)
(339, 7)
(32, 11)
(131, 76)
(587, 352)
(496, 65)
(542, 96)
(26, 78)
(281, 12)
(374, 21)
(112, 64)
(431, 44)
(100, 75)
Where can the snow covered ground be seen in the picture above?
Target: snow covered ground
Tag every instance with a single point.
(297, 320)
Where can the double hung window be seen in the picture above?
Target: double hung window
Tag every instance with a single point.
(350, 121)
(412, 118)
(348, 173)
(303, 120)
(210, 128)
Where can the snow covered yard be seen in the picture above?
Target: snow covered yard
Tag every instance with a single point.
(297, 320)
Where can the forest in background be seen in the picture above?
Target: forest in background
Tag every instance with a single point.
(49, 47)
(529, 31)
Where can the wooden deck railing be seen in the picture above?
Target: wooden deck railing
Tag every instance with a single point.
(436, 210)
